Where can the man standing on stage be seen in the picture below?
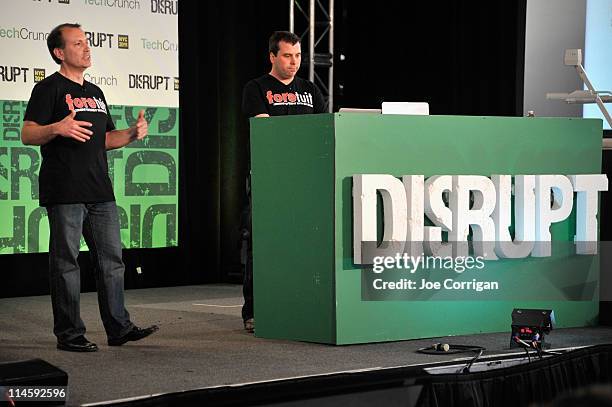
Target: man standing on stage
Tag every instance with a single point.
(68, 117)
(276, 93)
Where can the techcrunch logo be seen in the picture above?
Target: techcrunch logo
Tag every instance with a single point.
(125, 4)
(159, 45)
(101, 80)
(23, 33)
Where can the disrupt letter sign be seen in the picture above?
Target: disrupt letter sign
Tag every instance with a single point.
(479, 202)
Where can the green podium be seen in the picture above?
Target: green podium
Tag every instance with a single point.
(306, 286)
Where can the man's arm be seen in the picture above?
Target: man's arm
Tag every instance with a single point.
(35, 134)
(252, 102)
(120, 138)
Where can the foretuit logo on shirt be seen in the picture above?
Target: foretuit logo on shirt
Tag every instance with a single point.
(289, 98)
(92, 104)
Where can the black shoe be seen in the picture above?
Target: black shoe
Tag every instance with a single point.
(135, 334)
(78, 344)
(249, 325)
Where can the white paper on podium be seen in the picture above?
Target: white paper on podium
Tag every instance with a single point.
(410, 108)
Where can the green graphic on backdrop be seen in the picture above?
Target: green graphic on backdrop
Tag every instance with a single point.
(144, 175)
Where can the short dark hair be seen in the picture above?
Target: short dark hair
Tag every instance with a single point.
(284, 36)
(55, 39)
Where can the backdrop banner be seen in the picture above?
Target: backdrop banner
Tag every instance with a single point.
(134, 45)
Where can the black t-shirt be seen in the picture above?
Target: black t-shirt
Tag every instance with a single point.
(72, 171)
(267, 94)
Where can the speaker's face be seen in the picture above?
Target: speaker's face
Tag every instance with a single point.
(287, 60)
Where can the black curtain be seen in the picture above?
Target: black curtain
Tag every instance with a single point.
(461, 57)
(536, 382)
(223, 45)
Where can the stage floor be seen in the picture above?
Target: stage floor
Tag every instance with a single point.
(201, 343)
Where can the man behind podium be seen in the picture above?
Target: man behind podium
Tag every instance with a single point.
(277, 93)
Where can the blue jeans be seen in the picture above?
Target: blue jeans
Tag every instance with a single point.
(99, 225)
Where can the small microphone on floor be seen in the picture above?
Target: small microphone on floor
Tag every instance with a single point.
(441, 347)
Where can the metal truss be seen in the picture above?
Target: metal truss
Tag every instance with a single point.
(316, 23)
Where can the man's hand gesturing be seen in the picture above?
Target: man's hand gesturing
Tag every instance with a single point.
(140, 129)
(76, 129)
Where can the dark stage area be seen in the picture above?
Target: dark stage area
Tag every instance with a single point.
(201, 344)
